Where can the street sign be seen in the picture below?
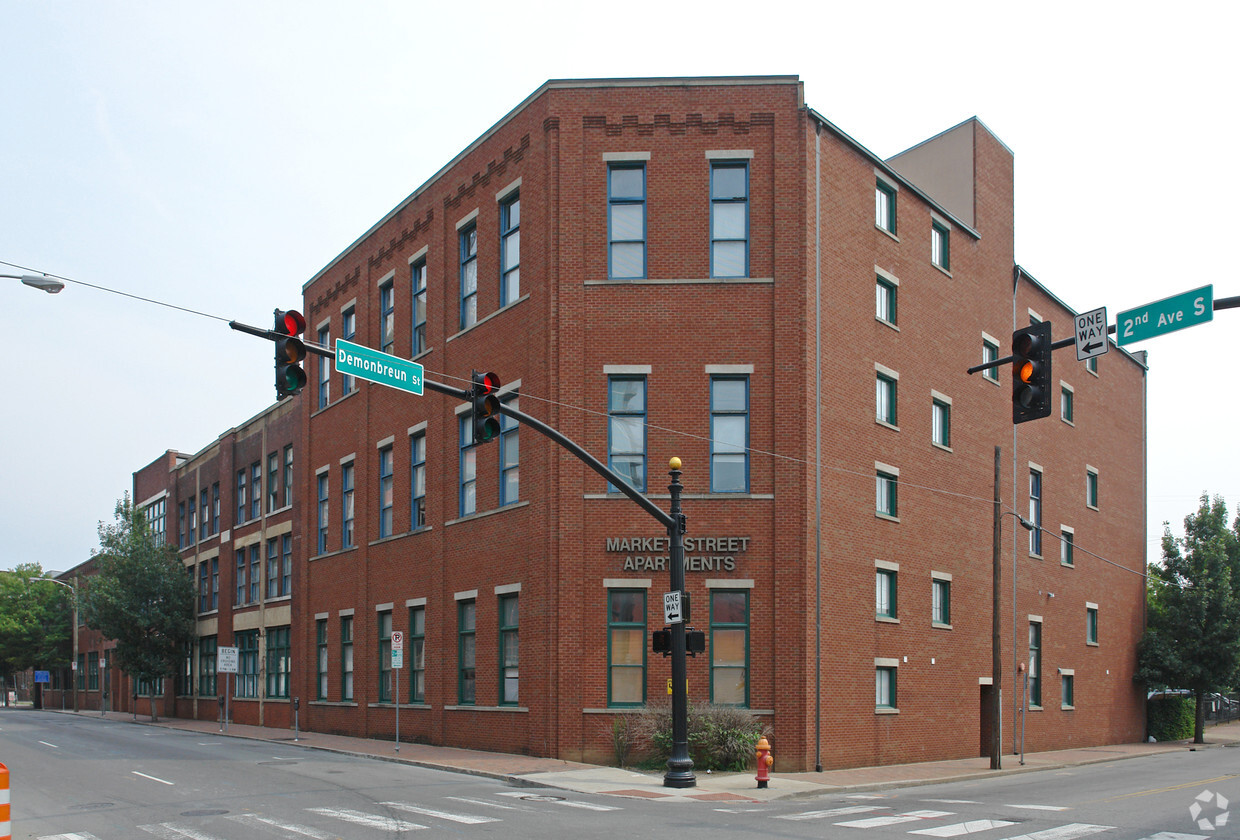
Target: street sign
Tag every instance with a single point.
(398, 658)
(1091, 334)
(226, 660)
(383, 368)
(1163, 316)
(671, 607)
(42, 676)
(398, 640)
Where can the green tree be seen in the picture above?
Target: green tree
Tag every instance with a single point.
(1192, 636)
(140, 596)
(35, 619)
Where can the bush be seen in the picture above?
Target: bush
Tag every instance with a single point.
(1171, 718)
(720, 737)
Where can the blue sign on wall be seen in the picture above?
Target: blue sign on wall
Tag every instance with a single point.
(42, 676)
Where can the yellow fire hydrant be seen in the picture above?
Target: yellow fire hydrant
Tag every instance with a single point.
(765, 760)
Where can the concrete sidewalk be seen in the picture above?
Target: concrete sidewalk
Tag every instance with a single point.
(711, 787)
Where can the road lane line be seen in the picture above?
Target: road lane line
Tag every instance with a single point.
(75, 836)
(954, 801)
(172, 831)
(895, 819)
(152, 778)
(968, 827)
(368, 820)
(46, 744)
(1065, 832)
(1198, 783)
(831, 812)
(252, 819)
(467, 819)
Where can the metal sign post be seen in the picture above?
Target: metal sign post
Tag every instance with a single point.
(398, 660)
(226, 664)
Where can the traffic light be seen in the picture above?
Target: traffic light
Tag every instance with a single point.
(290, 378)
(1031, 372)
(484, 396)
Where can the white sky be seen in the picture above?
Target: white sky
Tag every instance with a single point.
(216, 155)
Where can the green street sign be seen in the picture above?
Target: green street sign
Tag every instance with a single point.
(1163, 316)
(365, 363)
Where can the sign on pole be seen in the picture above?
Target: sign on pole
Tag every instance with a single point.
(374, 366)
(1163, 316)
(671, 607)
(43, 676)
(398, 658)
(398, 640)
(226, 660)
(1091, 334)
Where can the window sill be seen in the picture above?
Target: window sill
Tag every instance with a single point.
(991, 380)
(470, 517)
(1068, 708)
(879, 227)
(348, 704)
(885, 710)
(886, 619)
(485, 709)
(425, 352)
(938, 445)
(1067, 565)
(886, 424)
(277, 599)
(1034, 708)
(1091, 507)
(886, 516)
(382, 704)
(392, 537)
(327, 554)
(1067, 421)
(938, 625)
(1091, 644)
(886, 323)
(485, 319)
(1033, 555)
(646, 281)
(942, 269)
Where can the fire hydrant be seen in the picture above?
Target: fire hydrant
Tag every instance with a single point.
(765, 760)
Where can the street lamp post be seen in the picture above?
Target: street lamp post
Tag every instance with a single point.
(39, 281)
(73, 667)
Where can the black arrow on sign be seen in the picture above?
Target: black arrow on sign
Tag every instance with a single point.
(1089, 348)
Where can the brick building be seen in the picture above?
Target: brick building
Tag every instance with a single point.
(707, 269)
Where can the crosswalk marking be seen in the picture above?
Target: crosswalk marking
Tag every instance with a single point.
(172, 831)
(954, 801)
(1171, 835)
(830, 812)
(368, 820)
(1065, 832)
(484, 803)
(81, 835)
(467, 819)
(894, 819)
(306, 831)
(567, 803)
(957, 829)
(1038, 807)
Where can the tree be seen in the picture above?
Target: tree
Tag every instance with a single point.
(1192, 636)
(35, 619)
(141, 597)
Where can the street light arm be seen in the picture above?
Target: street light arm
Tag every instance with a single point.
(39, 281)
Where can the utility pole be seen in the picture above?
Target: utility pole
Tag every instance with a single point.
(996, 657)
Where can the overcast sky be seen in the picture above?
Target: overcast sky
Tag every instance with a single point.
(217, 155)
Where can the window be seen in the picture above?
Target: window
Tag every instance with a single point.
(466, 615)
(256, 572)
(885, 397)
(885, 593)
(626, 647)
(1091, 487)
(1066, 546)
(193, 521)
(384, 622)
(1091, 624)
(346, 506)
(416, 640)
(215, 583)
(204, 507)
(286, 564)
(467, 501)
(941, 421)
(885, 206)
(417, 275)
(273, 481)
(729, 219)
(885, 502)
(1035, 511)
(206, 666)
(1091, 365)
(242, 507)
(1035, 663)
(240, 579)
(941, 601)
(324, 512)
(509, 682)
(325, 369)
(885, 687)
(417, 480)
(256, 485)
(626, 429)
(1065, 402)
(990, 353)
(940, 246)
(509, 457)
(156, 514)
(277, 661)
(385, 492)
(180, 524)
(92, 671)
(387, 317)
(510, 249)
(204, 587)
(185, 676)
(288, 474)
(729, 647)
(273, 568)
(626, 221)
(885, 300)
(346, 657)
(215, 509)
(247, 663)
(348, 331)
(320, 659)
(81, 672)
(469, 276)
(1067, 697)
(729, 434)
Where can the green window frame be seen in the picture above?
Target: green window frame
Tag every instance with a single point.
(990, 353)
(206, 666)
(1035, 512)
(886, 494)
(940, 246)
(417, 480)
(247, 663)
(1066, 407)
(885, 592)
(1091, 488)
(468, 253)
(385, 492)
(885, 396)
(347, 539)
(509, 456)
(320, 659)
(1035, 663)
(346, 658)
(383, 622)
(387, 317)
(626, 647)
(884, 206)
(273, 481)
(1067, 691)
(509, 651)
(729, 647)
(885, 301)
(279, 662)
(941, 422)
(92, 670)
(1067, 546)
(885, 687)
(1091, 625)
(510, 248)
(81, 672)
(417, 279)
(941, 601)
(466, 652)
(417, 654)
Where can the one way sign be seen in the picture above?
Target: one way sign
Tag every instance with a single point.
(1091, 334)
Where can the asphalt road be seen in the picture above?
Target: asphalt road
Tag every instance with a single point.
(77, 778)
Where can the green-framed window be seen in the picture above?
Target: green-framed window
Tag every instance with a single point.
(885, 391)
(81, 672)
(509, 651)
(320, 659)
(1035, 512)
(941, 422)
(1091, 624)
(885, 581)
(885, 300)
(278, 661)
(385, 492)
(510, 249)
(885, 687)
(509, 456)
(884, 206)
(247, 663)
(1035, 663)
(1066, 403)
(346, 657)
(729, 647)
(940, 246)
(383, 621)
(990, 353)
(466, 652)
(416, 645)
(941, 601)
(206, 666)
(417, 278)
(387, 317)
(1091, 488)
(92, 670)
(468, 248)
(626, 647)
(1067, 691)
(886, 502)
(1067, 545)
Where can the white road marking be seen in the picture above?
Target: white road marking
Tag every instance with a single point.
(953, 801)
(467, 819)
(558, 801)
(1039, 807)
(368, 820)
(172, 831)
(895, 819)
(969, 827)
(152, 778)
(483, 802)
(831, 812)
(865, 796)
(75, 836)
(741, 810)
(1065, 832)
(252, 819)
(46, 744)
(1171, 835)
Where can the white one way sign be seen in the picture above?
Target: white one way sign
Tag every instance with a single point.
(1091, 334)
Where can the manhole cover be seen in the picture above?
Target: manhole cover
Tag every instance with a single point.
(205, 812)
(91, 806)
(539, 797)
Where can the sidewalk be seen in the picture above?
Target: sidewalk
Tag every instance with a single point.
(711, 787)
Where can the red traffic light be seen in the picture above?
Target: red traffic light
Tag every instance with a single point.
(290, 322)
(289, 351)
(483, 394)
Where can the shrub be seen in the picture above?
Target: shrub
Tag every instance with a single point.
(1171, 718)
(720, 737)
